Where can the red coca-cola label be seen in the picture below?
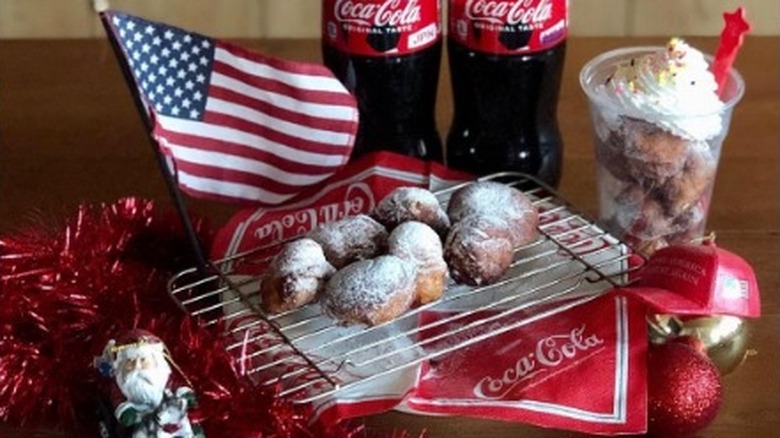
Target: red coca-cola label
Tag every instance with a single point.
(381, 27)
(508, 26)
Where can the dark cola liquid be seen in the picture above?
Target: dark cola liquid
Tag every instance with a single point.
(505, 112)
(396, 98)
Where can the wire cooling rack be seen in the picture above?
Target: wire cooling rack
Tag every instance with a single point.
(309, 356)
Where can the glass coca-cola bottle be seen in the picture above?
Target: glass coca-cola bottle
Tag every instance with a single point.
(506, 61)
(388, 53)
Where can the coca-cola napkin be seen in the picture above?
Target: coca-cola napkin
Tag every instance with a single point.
(355, 189)
(538, 337)
(581, 368)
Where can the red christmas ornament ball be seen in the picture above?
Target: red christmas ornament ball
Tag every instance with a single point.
(684, 390)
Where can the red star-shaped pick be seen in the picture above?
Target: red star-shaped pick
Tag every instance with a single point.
(731, 39)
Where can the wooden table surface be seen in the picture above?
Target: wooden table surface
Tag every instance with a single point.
(69, 134)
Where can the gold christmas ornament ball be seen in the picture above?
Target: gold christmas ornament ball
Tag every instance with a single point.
(724, 337)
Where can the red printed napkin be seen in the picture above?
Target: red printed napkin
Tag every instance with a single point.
(581, 369)
(355, 189)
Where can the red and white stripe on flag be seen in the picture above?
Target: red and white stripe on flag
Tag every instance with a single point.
(238, 125)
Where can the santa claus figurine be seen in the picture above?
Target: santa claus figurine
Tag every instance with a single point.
(151, 406)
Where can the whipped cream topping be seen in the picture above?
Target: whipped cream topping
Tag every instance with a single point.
(672, 88)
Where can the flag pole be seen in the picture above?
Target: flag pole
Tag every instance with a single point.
(173, 190)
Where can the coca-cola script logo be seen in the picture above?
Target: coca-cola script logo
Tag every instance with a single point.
(580, 239)
(551, 352)
(358, 198)
(511, 12)
(392, 13)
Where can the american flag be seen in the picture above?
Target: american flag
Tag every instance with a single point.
(236, 125)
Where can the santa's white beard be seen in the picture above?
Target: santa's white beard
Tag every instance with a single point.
(145, 386)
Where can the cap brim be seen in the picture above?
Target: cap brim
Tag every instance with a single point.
(665, 301)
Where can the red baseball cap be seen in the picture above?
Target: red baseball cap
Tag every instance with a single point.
(698, 280)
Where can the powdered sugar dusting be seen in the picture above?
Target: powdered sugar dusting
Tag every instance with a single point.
(302, 257)
(411, 203)
(295, 276)
(353, 238)
(492, 199)
(418, 244)
(479, 249)
(363, 287)
(488, 198)
(478, 228)
(413, 195)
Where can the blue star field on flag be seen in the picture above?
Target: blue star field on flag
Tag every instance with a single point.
(172, 66)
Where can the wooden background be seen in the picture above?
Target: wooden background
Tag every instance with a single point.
(300, 18)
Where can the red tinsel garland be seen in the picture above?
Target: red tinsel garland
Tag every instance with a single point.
(66, 290)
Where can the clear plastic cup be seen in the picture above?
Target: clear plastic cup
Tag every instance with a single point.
(654, 185)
